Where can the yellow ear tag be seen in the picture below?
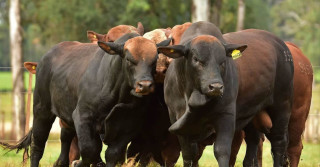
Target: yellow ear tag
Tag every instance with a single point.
(236, 54)
(33, 67)
(94, 36)
(171, 50)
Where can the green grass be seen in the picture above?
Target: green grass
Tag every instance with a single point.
(6, 80)
(310, 156)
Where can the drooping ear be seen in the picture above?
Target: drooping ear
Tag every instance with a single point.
(164, 43)
(174, 51)
(111, 47)
(140, 28)
(30, 66)
(94, 37)
(231, 47)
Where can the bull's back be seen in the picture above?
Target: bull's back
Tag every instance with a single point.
(59, 73)
(264, 68)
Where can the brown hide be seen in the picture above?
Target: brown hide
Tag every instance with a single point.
(95, 37)
(303, 76)
(114, 33)
(262, 122)
(302, 86)
(177, 31)
(30, 66)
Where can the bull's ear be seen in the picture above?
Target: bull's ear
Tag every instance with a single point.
(174, 51)
(94, 37)
(231, 47)
(140, 28)
(30, 66)
(111, 48)
(164, 43)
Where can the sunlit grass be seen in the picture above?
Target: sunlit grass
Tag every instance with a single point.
(310, 156)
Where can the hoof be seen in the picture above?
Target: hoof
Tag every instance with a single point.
(74, 163)
(100, 164)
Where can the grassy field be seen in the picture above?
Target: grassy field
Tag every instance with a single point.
(6, 80)
(310, 156)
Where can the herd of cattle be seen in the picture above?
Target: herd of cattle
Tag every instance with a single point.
(171, 90)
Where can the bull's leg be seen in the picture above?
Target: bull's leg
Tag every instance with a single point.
(115, 154)
(189, 152)
(260, 149)
(88, 139)
(42, 123)
(225, 128)
(296, 127)
(74, 153)
(252, 138)
(66, 137)
(171, 151)
(278, 135)
(135, 149)
(236, 144)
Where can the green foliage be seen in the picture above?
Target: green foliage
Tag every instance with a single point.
(299, 22)
(156, 14)
(4, 35)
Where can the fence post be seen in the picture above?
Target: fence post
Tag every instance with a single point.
(28, 103)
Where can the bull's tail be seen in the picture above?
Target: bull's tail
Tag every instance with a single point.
(23, 143)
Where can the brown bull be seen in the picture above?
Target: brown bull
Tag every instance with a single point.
(302, 86)
(115, 33)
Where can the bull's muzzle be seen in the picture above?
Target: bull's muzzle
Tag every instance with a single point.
(144, 87)
(215, 89)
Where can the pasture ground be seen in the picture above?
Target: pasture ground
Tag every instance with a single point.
(310, 156)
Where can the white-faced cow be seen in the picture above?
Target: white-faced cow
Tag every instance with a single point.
(208, 92)
(95, 91)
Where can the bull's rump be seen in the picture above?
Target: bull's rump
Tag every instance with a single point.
(265, 72)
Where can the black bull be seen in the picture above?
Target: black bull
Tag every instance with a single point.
(95, 91)
(207, 92)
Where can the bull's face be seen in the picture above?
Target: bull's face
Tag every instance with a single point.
(205, 58)
(163, 61)
(139, 57)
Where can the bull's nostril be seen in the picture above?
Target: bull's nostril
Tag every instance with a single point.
(150, 85)
(215, 87)
(140, 85)
(211, 86)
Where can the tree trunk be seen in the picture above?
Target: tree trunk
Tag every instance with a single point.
(215, 12)
(200, 10)
(241, 14)
(17, 71)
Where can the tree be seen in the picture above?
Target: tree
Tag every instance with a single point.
(299, 22)
(200, 10)
(241, 14)
(17, 71)
(215, 12)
